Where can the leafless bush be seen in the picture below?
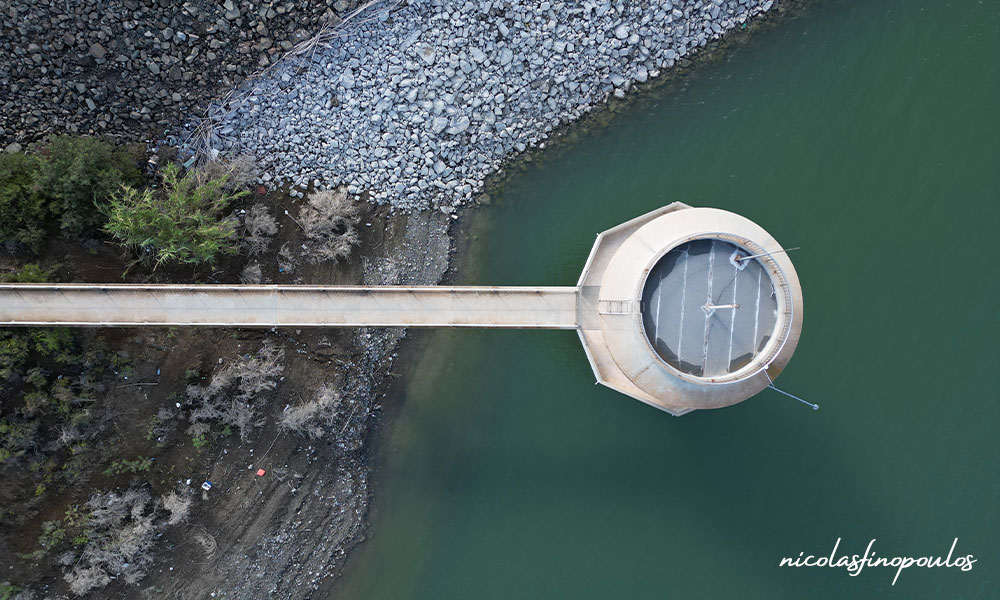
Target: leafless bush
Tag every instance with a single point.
(251, 274)
(230, 397)
(120, 535)
(178, 505)
(83, 579)
(67, 435)
(80, 427)
(258, 227)
(199, 428)
(241, 171)
(314, 417)
(329, 221)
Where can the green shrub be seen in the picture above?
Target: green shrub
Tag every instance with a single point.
(56, 341)
(13, 352)
(8, 590)
(36, 377)
(139, 465)
(29, 273)
(22, 209)
(52, 536)
(74, 517)
(36, 403)
(16, 437)
(75, 173)
(183, 222)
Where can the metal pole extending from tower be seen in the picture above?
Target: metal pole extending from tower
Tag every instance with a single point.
(793, 396)
(742, 258)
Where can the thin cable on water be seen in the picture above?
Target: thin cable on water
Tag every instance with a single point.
(793, 396)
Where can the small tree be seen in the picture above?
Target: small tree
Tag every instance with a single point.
(22, 208)
(13, 352)
(75, 173)
(183, 222)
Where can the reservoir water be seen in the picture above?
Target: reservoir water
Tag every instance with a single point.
(868, 134)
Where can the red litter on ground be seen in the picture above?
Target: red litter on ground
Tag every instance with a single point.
(260, 472)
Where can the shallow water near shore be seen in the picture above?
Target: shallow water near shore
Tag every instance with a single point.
(867, 134)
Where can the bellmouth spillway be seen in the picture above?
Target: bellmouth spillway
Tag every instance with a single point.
(682, 308)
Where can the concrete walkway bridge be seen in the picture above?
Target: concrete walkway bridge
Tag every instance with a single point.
(683, 308)
(123, 305)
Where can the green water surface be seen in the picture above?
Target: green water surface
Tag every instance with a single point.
(868, 134)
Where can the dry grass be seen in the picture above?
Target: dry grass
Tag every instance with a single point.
(251, 274)
(177, 504)
(206, 541)
(238, 171)
(258, 228)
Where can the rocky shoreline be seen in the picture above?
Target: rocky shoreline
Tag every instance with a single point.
(415, 104)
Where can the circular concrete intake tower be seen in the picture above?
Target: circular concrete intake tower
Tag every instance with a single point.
(689, 308)
(682, 308)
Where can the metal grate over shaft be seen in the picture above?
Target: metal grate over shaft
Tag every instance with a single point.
(707, 309)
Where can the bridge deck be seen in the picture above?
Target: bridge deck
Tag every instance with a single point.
(287, 306)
